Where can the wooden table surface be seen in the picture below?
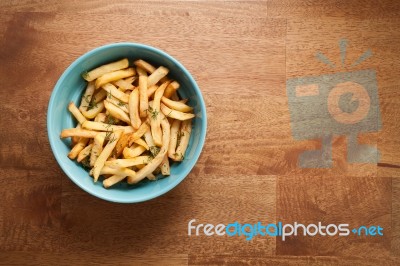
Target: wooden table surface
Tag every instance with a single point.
(241, 53)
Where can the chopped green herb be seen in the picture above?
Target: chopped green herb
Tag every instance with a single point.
(153, 113)
(178, 137)
(86, 163)
(121, 103)
(110, 120)
(154, 150)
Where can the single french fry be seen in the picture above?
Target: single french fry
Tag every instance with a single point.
(77, 132)
(175, 127)
(165, 169)
(76, 113)
(143, 99)
(96, 105)
(105, 153)
(107, 170)
(87, 96)
(145, 65)
(94, 111)
(113, 91)
(104, 69)
(186, 129)
(149, 138)
(129, 153)
(175, 114)
(139, 133)
(142, 143)
(105, 127)
(127, 162)
(125, 84)
(101, 117)
(97, 147)
(155, 120)
(118, 103)
(151, 177)
(178, 106)
(78, 148)
(134, 109)
(85, 152)
(150, 167)
(122, 143)
(151, 90)
(171, 89)
(116, 112)
(114, 76)
(158, 74)
(112, 180)
(99, 96)
(130, 80)
(75, 139)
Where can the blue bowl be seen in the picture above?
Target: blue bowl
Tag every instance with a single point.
(70, 87)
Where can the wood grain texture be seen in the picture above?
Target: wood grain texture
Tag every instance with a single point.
(241, 53)
(396, 217)
(350, 200)
(162, 223)
(289, 260)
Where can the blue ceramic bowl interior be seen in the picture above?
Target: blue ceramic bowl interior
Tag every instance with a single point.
(70, 87)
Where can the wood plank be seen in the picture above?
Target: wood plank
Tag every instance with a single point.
(30, 214)
(162, 223)
(355, 201)
(85, 258)
(395, 217)
(196, 259)
(150, 8)
(356, 9)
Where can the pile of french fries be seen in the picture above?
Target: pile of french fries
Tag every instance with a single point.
(131, 123)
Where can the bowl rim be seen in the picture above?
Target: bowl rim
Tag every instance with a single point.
(162, 190)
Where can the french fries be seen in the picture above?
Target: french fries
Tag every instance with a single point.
(112, 180)
(150, 167)
(87, 96)
(155, 117)
(78, 148)
(128, 162)
(104, 69)
(84, 153)
(134, 109)
(132, 153)
(175, 130)
(175, 114)
(157, 75)
(112, 90)
(105, 153)
(178, 106)
(76, 113)
(77, 132)
(99, 126)
(143, 99)
(126, 132)
(116, 112)
(186, 130)
(171, 89)
(97, 147)
(125, 84)
(114, 76)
